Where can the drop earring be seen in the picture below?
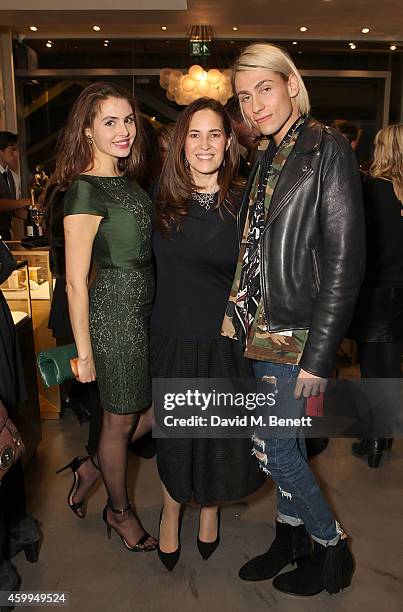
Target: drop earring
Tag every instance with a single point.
(186, 164)
(89, 139)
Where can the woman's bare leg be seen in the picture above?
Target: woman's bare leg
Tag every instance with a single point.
(168, 539)
(208, 523)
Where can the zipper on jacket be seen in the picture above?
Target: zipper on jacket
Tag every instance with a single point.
(315, 267)
(279, 209)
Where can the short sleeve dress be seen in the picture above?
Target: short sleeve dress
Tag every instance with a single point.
(122, 293)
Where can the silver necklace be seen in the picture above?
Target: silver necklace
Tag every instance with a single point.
(206, 200)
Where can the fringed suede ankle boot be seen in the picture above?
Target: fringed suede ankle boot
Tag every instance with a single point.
(329, 568)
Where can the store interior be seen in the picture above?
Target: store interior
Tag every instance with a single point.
(350, 54)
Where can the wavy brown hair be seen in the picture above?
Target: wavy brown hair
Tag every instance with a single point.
(74, 152)
(388, 157)
(176, 185)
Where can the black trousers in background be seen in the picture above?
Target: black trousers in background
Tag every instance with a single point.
(380, 359)
(12, 503)
(59, 323)
(12, 391)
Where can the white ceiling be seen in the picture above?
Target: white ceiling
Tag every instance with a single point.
(255, 19)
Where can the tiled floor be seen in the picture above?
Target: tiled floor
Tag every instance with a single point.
(102, 575)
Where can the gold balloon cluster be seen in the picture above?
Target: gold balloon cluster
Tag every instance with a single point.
(197, 83)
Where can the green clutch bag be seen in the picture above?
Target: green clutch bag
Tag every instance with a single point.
(55, 364)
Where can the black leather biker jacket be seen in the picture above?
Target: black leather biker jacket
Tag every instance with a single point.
(313, 244)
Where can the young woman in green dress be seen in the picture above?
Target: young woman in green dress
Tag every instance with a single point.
(108, 222)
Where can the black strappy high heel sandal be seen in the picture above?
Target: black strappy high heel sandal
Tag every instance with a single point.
(141, 545)
(74, 466)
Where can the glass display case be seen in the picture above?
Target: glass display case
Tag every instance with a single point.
(40, 276)
(16, 290)
(40, 292)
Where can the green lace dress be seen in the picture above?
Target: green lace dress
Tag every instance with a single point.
(122, 293)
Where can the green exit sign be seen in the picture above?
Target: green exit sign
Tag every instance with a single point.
(199, 48)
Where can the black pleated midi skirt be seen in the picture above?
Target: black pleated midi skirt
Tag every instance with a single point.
(206, 471)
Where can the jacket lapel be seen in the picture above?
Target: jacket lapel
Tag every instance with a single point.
(297, 169)
(295, 172)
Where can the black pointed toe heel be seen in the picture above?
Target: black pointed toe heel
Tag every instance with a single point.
(172, 558)
(141, 545)
(206, 549)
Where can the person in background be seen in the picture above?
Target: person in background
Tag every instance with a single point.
(196, 244)
(11, 203)
(150, 163)
(82, 399)
(377, 325)
(349, 130)
(299, 271)
(248, 137)
(164, 135)
(18, 531)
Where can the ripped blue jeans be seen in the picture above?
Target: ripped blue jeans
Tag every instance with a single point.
(299, 498)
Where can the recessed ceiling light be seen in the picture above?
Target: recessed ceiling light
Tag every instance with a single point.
(163, 28)
(365, 30)
(294, 42)
(106, 44)
(33, 28)
(303, 28)
(96, 28)
(49, 43)
(106, 40)
(232, 42)
(393, 47)
(235, 29)
(353, 46)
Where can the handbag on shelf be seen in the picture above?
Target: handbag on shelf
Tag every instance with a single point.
(56, 365)
(7, 262)
(11, 444)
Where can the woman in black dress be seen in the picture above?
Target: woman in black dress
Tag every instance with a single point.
(196, 248)
(378, 319)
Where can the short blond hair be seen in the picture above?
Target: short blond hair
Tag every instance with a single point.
(264, 56)
(388, 157)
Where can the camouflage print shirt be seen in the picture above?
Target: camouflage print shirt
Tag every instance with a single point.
(249, 324)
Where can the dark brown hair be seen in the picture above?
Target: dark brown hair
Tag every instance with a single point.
(176, 185)
(74, 151)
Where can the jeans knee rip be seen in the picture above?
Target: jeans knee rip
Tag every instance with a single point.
(284, 493)
(262, 460)
(258, 442)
